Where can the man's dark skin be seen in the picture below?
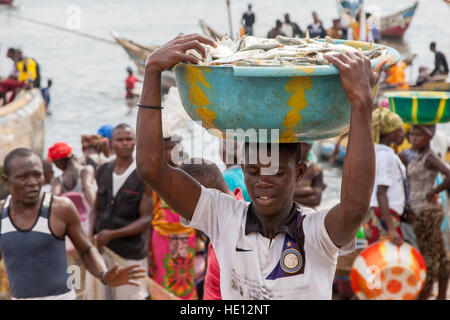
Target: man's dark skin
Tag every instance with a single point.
(11, 54)
(309, 195)
(25, 180)
(395, 137)
(70, 168)
(439, 61)
(123, 141)
(272, 195)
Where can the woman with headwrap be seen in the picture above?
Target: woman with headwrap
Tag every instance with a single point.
(388, 196)
(427, 207)
(75, 177)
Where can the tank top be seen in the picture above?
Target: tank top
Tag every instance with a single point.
(35, 259)
(422, 180)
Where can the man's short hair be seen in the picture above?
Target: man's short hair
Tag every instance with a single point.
(433, 44)
(204, 170)
(294, 149)
(121, 126)
(16, 153)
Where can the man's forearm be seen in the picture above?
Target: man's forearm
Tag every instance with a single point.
(136, 227)
(149, 140)
(359, 165)
(93, 220)
(94, 262)
(383, 205)
(89, 195)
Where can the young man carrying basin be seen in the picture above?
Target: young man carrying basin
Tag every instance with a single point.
(270, 248)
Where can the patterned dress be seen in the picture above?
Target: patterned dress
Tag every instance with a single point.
(172, 252)
(428, 217)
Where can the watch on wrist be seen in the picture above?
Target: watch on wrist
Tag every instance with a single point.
(101, 277)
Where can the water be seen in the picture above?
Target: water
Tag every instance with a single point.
(88, 75)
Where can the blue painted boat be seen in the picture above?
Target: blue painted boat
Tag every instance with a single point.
(287, 104)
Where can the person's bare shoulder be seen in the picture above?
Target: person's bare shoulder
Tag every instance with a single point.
(63, 208)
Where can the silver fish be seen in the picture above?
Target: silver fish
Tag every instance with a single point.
(290, 41)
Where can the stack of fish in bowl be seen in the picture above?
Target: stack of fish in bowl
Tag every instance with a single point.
(282, 88)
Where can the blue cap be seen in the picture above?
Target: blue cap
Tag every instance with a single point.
(129, 69)
(106, 131)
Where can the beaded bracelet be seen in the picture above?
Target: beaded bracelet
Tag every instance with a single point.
(149, 107)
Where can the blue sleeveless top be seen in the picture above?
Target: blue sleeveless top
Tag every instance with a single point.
(35, 259)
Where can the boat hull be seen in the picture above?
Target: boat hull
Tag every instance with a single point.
(139, 53)
(22, 124)
(395, 25)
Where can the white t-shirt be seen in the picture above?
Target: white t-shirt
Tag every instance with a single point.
(389, 172)
(252, 266)
(119, 180)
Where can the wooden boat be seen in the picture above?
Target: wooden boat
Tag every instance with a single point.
(395, 25)
(22, 124)
(210, 32)
(139, 53)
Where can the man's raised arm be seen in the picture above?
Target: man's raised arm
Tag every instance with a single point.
(358, 174)
(180, 191)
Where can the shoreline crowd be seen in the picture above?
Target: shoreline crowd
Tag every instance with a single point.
(132, 212)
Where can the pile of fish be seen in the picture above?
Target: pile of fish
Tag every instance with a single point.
(281, 51)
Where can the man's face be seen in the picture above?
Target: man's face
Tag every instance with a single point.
(25, 179)
(10, 54)
(48, 174)
(271, 194)
(315, 17)
(123, 142)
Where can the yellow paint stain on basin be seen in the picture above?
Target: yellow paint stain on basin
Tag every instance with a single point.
(207, 116)
(297, 101)
(359, 45)
(194, 77)
(196, 80)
